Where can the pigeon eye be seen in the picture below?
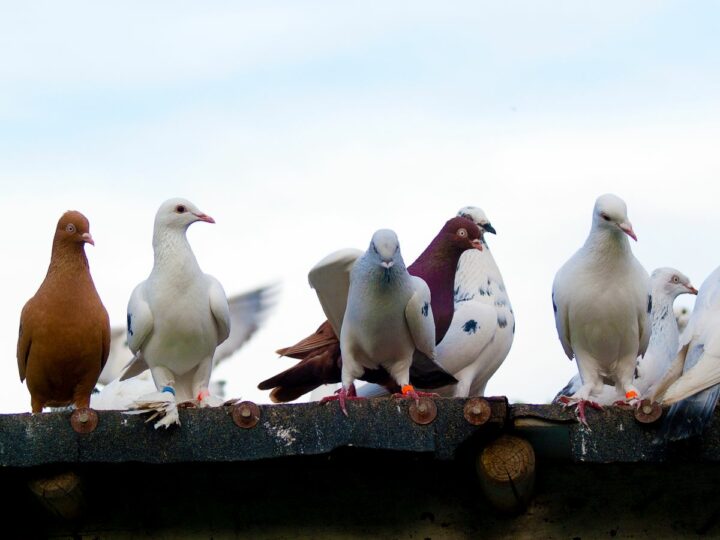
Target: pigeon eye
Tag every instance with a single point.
(675, 279)
(462, 233)
(70, 228)
(605, 216)
(180, 209)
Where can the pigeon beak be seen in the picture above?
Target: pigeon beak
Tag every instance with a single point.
(204, 217)
(489, 228)
(691, 289)
(88, 239)
(477, 244)
(627, 229)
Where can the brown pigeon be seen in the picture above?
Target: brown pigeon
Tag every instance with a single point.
(64, 337)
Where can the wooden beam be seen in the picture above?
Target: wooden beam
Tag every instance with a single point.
(61, 495)
(506, 468)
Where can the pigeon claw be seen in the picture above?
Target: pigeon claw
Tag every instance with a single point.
(342, 395)
(408, 392)
(581, 404)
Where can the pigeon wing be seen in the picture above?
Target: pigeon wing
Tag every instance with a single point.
(331, 280)
(419, 317)
(219, 308)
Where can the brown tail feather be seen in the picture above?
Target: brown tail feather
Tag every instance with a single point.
(322, 368)
(322, 337)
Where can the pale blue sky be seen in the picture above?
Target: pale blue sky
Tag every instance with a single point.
(303, 127)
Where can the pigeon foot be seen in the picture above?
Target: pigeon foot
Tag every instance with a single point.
(160, 405)
(569, 401)
(342, 395)
(408, 392)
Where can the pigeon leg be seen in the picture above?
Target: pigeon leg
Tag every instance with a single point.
(341, 395)
(408, 392)
(161, 403)
(201, 382)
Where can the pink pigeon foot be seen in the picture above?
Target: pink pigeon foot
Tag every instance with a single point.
(341, 395)
(580, 404)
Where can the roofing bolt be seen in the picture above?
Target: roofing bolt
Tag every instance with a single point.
(423, 411)
(648, 412)
(246, 414)
(477, 411)
(84, 420)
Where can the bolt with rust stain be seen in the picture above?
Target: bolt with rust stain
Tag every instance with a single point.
(477, 411)
(423, 411)
(83, 420)
(246, 414)
(648, 412)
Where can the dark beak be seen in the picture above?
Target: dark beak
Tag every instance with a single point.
(489, 228)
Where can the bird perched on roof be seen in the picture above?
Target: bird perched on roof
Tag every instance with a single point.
(387, 317)
(319, 353)
(176, 318)
(601, 298)
(692, 385)
(483, 325)
(248, 311)
(666, 285)
(64, 335)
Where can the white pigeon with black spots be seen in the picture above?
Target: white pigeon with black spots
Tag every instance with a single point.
(483, 325)
(602, 304)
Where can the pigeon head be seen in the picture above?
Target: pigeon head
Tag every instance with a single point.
(385, 248)
(179, 214)
(671, 282)
(610, 214)
(73, 228)
(461, 233)
(477, 216)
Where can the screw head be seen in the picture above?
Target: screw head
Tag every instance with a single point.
(477, 411)
(648, 412)
(83, 420)
(423, 411)
(246, 414)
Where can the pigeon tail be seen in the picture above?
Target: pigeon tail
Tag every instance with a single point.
(690, 417)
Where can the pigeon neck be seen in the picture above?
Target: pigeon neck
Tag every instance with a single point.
(68, 258)
(662, 317)
(172, 251)
(436, 266)
(608, 243)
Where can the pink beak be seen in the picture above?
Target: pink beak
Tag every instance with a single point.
(627, 229)
(477, 244)
(691, 289)
(204, 217)
(87, 238)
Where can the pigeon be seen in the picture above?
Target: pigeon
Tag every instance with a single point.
(64, 336)
(692, 385)
(387, 317)
(682, 316)
(483, 324)
(666, 285)
(176, 319)
(319, 354)
(601, 299)
(248, 311)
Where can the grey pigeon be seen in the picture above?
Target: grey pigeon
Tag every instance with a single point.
(388, 316)
(601, 298)
(176, 318)
(692, 385)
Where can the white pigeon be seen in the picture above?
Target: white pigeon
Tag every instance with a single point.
(666, 285)
(682, 316)
(176, 318)
(387, 317)
(601, 298)
(248, 311)
(692, 384)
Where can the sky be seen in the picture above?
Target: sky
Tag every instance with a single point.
(303, 127)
